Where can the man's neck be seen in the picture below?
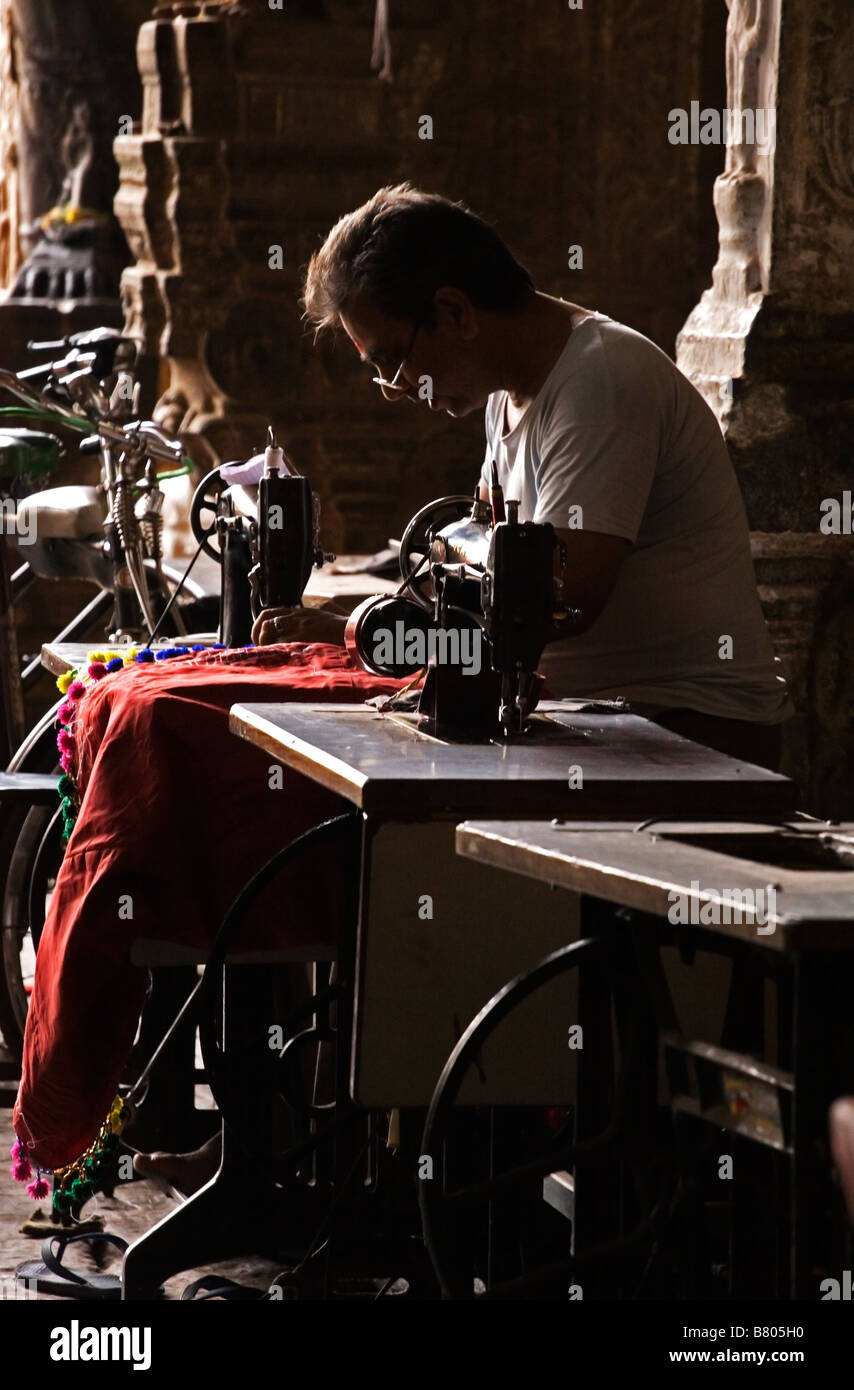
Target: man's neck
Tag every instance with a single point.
(535, 339)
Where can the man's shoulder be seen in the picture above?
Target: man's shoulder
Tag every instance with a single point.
(614, 370)
(619, 345)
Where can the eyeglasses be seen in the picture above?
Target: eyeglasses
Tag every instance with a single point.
(394, 385)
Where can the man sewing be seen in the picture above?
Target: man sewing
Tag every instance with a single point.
(594, 430)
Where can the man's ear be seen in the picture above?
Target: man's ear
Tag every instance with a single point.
(454, 310)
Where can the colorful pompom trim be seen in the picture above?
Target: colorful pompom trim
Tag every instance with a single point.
(74, 685)
(97, 1168)
(22, 1171)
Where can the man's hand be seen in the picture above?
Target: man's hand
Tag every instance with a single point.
(298, 625)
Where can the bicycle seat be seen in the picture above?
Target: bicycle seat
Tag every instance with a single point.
(67, 513)
(28, 453)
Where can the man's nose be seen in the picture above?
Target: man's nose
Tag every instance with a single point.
(397, 393)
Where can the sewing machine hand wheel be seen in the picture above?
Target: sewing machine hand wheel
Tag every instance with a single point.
(204, 509)
(416, 538)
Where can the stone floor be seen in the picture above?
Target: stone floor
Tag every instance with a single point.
(134, 1209)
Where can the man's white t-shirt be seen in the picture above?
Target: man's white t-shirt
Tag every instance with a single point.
(617, 431)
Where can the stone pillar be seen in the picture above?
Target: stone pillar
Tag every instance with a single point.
(771, 346)
(10, 249)
(65, 76)
(172, 203)
(258, 129)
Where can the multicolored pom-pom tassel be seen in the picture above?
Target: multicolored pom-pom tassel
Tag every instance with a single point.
(96, 1168)
(98, 665)
(22, 1169)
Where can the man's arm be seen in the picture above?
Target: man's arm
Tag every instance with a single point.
(593, 562)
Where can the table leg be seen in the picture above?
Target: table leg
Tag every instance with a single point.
(597, 1180)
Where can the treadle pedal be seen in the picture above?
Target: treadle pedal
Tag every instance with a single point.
(731, 1090)
(369, 1288)
(35, 788)
(343, 1286)
(559, 1192)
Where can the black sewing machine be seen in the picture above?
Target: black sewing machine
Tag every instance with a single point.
(266, 520)
(478, 603)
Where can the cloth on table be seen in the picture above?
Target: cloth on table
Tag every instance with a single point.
(176, 815)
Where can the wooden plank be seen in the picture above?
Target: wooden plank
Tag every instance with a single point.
(644, 868)
(631, 766)
(59, 657)
(326, 585)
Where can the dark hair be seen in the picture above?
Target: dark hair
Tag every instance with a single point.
(401, 246)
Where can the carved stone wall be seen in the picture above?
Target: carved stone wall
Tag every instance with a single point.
(10, 250)
(261, 127)
(771, 345)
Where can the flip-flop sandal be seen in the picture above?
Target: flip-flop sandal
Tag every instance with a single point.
(39, 1226)
(50, 1275)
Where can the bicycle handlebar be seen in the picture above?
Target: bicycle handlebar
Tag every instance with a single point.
(22, 391)
(145, 436)
(142, 435)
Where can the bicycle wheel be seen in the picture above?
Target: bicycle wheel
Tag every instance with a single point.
(22, 828)
(31, 868)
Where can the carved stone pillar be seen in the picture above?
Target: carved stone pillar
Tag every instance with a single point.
(10, 251)
(65, 77)
(258, 129)
(172, 203)
(771, 346)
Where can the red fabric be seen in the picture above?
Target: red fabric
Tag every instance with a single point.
(178, 814)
